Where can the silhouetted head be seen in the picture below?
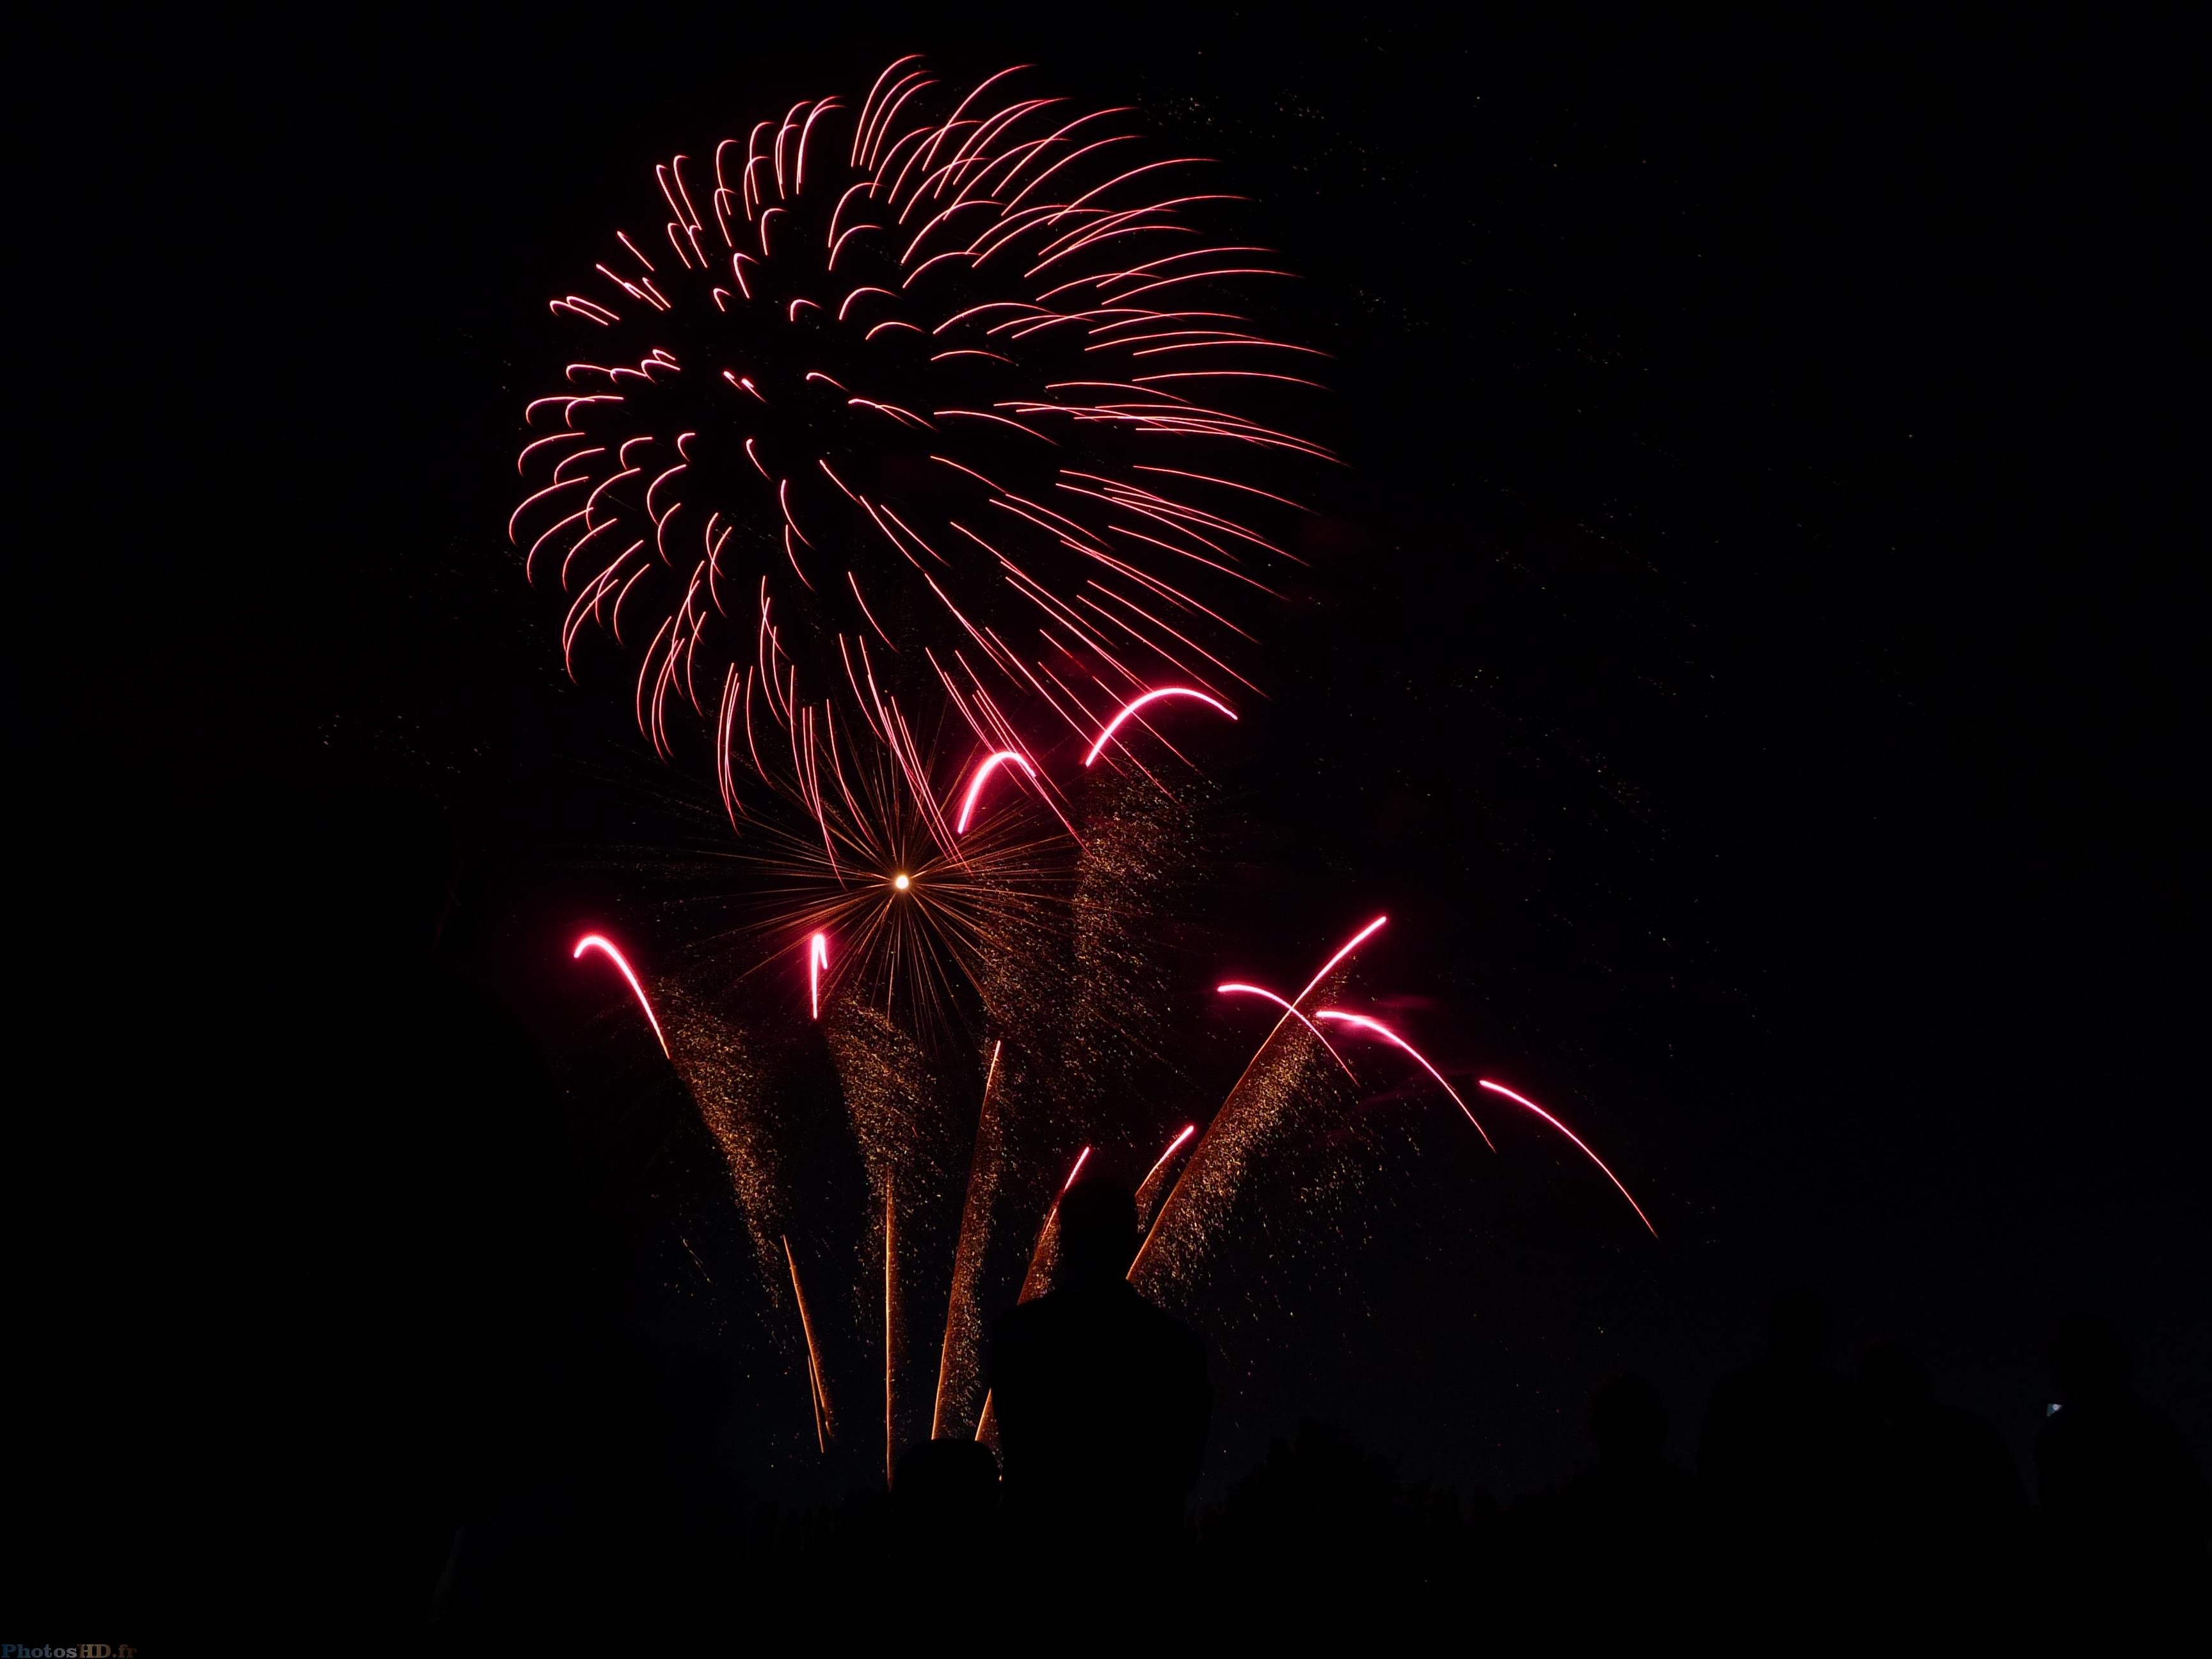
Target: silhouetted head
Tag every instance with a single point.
(2089, 1361)
(1627, 1421)
(1896, 1382)
(943, 1483)
(1097, 1230)
(1799, 1329)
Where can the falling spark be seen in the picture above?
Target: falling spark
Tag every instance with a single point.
(596, 942)
(1135, 704)
(962, 1321)
(1362, 1022)
(817, 963)
(1524, 1100)
(819, 1387)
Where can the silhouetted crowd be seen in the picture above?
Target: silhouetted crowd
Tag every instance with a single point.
(384, 1396)
(1823, 1511)
(521, 1475)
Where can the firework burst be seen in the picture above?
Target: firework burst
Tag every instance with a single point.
(916, 406)
(921, 451)
(862, 901)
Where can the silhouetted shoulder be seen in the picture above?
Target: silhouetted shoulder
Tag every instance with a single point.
(1102, 1403)
(2121, 1465)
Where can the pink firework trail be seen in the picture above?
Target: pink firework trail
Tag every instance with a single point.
(1377, 1027)
(596, 942)
(1131, 707)
(1187, 1131)
(925, 404)
(817, 963)
(981, 776)
(1148, 1190)
(1524, 1100)
(1082, 1158)
(1289, 1008)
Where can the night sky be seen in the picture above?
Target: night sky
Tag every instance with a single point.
(1750, 652)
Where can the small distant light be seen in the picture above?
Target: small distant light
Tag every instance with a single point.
(2051, 1411)
(903, 883)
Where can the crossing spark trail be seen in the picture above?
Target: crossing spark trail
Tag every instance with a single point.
(920, 405)
(1524, 1100)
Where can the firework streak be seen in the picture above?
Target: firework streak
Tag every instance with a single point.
(1148, 1191)
(878, 416)
(1375, 1027)
(818, 1389)
(594, 942)
(1034, 1281)
(1524, 1100)
(957, 1367)
(1254, 1103)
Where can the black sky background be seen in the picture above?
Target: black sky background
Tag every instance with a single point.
(1755, 656)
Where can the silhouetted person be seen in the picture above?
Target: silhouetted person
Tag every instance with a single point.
(1617, 1551)
(2126, 1507)
(945, 1505)
(1632, 1490)
(1322, 1541)
(1102, 1399)
(1934, 1467)
(1785, 1456)
(1944, 1508)
(945, 1483)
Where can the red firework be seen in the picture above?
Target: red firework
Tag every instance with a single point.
(891, 416)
